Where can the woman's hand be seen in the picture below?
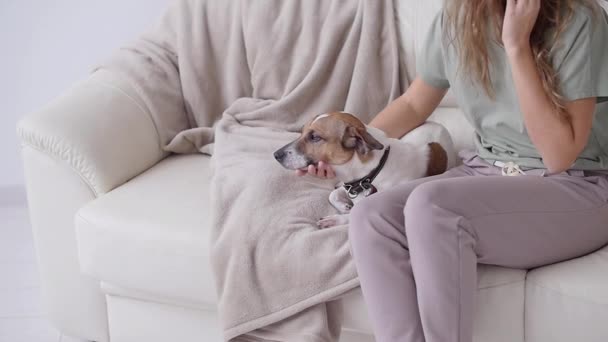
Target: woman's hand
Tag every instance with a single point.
(559, 139)
(520, 17)
(322, 170)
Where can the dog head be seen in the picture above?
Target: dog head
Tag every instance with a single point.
(333, 138)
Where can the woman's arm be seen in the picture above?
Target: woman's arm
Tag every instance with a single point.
(407, 112)
(410, 110)
(559, 140)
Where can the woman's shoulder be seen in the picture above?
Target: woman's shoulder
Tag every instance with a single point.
(588, 15)
(580, 53)
(587, 26)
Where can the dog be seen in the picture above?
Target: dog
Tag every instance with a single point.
(364, 159)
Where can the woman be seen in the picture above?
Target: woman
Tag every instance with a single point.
(531, 77)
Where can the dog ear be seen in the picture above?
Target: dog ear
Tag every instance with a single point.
(360, 140)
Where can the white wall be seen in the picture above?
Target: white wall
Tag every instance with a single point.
(47, 45)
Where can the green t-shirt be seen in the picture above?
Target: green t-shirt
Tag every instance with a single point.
(581, 62)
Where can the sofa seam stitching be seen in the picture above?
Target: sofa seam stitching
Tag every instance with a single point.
(561, 293)
(138, 105)
(57, 157)
(503, 284)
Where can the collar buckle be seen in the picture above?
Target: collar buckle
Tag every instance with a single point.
(364, 185)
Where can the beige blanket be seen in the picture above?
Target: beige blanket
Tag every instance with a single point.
(247, 75)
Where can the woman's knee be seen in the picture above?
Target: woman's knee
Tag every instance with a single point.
(422, 206)
(372, 218)
(425, 194)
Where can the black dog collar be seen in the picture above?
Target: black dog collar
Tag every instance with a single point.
(364, 184)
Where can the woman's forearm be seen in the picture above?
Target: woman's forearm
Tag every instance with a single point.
(558, 138)
(552, 134)
(410, 110)
(398, 118)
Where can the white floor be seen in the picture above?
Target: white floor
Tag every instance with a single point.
(22, 315)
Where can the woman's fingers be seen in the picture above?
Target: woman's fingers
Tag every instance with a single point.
(326, 170)
(535, 5)
(322, 170)
(330, 173)
(519, 21)
(312, 170)
(523, 6)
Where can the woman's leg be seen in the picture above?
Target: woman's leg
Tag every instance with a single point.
(379, 248)
(519, 222)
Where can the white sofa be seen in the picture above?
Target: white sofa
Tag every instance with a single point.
(117, 265)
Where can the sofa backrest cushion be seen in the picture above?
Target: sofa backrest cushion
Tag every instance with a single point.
(413, 19)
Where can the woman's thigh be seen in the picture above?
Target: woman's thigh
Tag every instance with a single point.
(522, 222)
(390, 203)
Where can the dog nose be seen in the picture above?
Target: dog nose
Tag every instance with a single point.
(279, 155)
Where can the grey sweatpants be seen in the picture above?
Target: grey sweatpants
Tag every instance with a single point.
(416, 246)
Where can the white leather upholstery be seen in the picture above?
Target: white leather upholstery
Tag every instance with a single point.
(569, 301)
(93, 138)
(499, 306)
(145, 319)
(99, 130)
(148, 240)
(55, 191)
(152, 234)
(413, 20)
(148, 321)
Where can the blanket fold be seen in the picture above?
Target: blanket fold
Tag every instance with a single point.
(239, 79)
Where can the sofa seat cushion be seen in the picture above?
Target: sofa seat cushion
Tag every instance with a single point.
(149, 240)
(152, 234)
(568, 301)
(498, 310)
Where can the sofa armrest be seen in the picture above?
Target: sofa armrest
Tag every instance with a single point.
(99, 129)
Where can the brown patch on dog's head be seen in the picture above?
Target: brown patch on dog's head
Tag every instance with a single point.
(438, 160)
(341, 135)
(333, 138)
(361, 142)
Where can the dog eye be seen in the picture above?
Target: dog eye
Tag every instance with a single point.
(315, 137)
